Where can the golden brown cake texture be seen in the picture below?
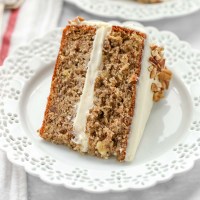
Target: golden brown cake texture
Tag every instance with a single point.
(109, 120)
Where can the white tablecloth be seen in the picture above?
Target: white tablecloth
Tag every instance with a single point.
(183, 187)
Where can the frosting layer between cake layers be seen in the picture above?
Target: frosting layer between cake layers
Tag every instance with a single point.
(86, 100)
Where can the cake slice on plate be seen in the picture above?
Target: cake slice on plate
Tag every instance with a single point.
(104, 84)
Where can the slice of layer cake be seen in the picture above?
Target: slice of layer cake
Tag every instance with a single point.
(105, 82)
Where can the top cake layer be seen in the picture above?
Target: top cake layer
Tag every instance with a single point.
(104, 83)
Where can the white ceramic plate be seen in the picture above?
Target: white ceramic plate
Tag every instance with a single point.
(171, 141)
(131, 10)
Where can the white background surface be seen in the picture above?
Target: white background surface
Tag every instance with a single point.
(184, 186)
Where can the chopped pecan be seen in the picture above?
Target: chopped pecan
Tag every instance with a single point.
(154, 87)
(77, 20)
(165, 74)
(158, 72)
(158, 95)
(153, 73)
(150, 68)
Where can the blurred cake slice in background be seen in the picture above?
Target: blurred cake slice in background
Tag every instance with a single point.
(149, 1)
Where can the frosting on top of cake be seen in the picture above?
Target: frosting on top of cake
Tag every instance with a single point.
(132, 26)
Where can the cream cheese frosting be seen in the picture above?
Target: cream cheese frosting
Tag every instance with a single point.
(143, 105)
